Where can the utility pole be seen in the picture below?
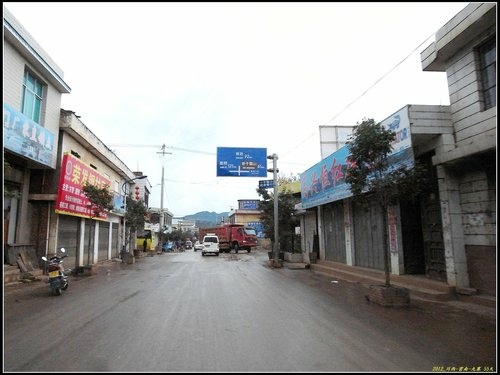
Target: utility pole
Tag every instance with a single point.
(162, 217)
(275, 170)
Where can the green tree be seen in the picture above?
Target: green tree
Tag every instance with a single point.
(135, 216)
(101, 201)
(287, 220)
(372, 177)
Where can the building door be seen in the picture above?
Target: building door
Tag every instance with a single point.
(432, 227)
(368, 235)
(413, 244)
(67, 237)
(88, 242)
(334, 232)
(6, 221)
(11, 201)
(103, 240)
(115, 245)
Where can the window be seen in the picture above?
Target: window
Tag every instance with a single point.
(488, 66)
(32, 97)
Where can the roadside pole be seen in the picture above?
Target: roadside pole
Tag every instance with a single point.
(275, 170)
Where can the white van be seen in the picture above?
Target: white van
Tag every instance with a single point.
(210, 244)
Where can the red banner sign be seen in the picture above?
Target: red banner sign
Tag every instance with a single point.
(70, 197)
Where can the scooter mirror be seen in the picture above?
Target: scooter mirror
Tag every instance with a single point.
(44, 259)
(63, 250)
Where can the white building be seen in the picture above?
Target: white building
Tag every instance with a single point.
(465, 48)
(33, 85)
(42, 211)
(450, 235)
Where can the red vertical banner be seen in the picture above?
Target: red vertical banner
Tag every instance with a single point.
(70, 197)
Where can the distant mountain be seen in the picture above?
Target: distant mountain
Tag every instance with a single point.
(205, 219)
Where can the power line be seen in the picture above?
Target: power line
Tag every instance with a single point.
(380, 79)
(363, 94)
(312, 134)
(162, 147)
(195, 151)
(298, 144)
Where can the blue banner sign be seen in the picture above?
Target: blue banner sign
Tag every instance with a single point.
(241, 162)
(266, 184)
(259, 228)
(325, 182)
(25, 137)
(248, 204)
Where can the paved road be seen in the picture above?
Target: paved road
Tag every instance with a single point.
(181, 312)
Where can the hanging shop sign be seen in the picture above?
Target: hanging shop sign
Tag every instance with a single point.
(71, 199)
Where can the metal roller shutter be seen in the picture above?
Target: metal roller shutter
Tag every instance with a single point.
(102, 253)
(333, 219)
(368, 236)
(115, 241)
(67, 237)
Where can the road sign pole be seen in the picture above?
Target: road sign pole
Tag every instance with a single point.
(276, 220)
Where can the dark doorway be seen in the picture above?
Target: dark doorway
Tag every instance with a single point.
(432, 227)
(413, 243)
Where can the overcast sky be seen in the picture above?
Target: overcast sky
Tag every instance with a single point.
(197, 76)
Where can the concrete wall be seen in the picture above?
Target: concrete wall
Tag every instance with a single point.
(455, 52)
(13, 71)
(21, 53)
(308, 227)
(471, 124)
(466, 163)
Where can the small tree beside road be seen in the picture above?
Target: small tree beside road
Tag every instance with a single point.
(135, 215)
(287, 220)
(371, 176)
(101, 201)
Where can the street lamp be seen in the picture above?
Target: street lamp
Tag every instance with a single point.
(125, 208)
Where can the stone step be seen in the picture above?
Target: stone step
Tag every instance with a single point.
(483, 300)
(418, 285)
(13, 274)
(420, 280)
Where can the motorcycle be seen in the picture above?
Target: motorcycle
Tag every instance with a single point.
(58, 281)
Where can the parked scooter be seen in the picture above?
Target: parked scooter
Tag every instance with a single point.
(58, 281)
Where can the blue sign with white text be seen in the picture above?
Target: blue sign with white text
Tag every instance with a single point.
(27, 138)
(266, 184)
(325, 181)
(241, 162)
(248, 204)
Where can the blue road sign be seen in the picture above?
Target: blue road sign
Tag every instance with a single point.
(266, 184)
(241, 162)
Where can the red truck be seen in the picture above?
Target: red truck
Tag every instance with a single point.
(233, 236)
